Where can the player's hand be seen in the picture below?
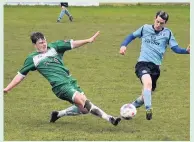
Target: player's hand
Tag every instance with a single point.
(188, 49)
(123, 50)
(92, 39)
(5, 90)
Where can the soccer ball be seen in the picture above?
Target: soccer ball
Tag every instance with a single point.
(128, 111)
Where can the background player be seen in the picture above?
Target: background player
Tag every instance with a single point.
(64, 11)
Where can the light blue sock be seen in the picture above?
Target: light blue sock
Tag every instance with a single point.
(61, 14)
(67, 13)
(70, 111)
(147, 99)
(138, 102)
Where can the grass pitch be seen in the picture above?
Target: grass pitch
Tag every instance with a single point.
(106, 77)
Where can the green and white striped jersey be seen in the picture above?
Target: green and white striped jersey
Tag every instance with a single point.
(50, 64)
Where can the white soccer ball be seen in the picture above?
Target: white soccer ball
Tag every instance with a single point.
(128, 111)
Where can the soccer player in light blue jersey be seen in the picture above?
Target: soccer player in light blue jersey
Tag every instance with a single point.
(64, 11)
(155, 39)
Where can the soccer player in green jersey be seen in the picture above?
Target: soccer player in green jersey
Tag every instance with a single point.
(48, 61)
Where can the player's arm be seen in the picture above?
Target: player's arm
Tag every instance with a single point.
(28, 66)
(16, 80)
(126, 41)
(78, 43)
(129, 39)
(175, 47)
(64, 45)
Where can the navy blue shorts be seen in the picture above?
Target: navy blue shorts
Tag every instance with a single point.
(150, 68)
(65, 4)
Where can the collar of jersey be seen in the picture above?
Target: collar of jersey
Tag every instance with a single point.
(157, 31)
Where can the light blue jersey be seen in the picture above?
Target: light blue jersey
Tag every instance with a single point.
(154, 43)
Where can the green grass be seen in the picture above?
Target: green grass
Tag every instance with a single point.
(106, 77)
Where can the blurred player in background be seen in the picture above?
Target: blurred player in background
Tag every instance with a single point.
(155, 39)
(48, 61)
(64, 11)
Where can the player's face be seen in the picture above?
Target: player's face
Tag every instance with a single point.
(159, 23)
(41, 45)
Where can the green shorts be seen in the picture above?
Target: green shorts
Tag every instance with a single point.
(67, 90)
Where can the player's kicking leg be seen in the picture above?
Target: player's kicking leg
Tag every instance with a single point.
(83, 106)
(100, 113)
(55, 115)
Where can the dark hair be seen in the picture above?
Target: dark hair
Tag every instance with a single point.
(35, 36)
(163, 15)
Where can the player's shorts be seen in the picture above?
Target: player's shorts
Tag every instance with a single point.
(150, 68)
(65, 4)
(67, 90)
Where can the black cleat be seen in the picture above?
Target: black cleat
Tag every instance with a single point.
(115, 120)
(149, 114)
(54, 116)
(71, 18)
(58, 21)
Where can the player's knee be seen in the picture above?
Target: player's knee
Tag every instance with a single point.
(79, 99)
(83, 97)
(148, 86)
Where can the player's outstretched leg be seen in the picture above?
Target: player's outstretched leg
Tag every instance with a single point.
(138, 102)
(82, 102)
(70, 111)
(100, 113)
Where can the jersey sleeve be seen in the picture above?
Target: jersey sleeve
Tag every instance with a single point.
(138, 32)
(28, 66)
(172, 41)
(61, 45)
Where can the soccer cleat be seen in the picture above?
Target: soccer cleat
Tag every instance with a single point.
(115, 120)
(71, 18)
(149, 114)
(54, 116)
(58, 21)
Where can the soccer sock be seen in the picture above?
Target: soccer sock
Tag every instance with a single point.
(61, 14)
(147, 99)
(138, 102)
(67, 13)
(96, 110)
(70, 111)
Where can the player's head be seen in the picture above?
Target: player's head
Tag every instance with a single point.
(160, 20)
(39, 41)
